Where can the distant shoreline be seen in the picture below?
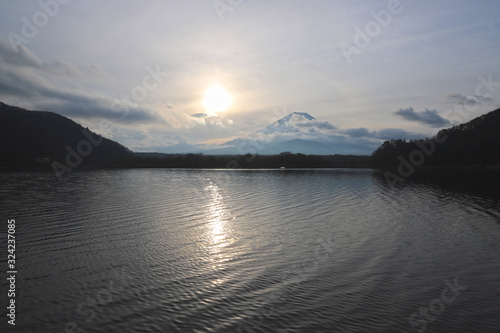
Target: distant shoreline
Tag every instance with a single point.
(424, 169)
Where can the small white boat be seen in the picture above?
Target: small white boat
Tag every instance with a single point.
(282, 168)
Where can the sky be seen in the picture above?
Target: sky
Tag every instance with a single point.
(139, 72)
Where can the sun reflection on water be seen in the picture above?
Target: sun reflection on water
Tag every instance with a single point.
(219, 225)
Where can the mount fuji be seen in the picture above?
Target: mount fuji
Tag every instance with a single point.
(297, 132)
(286, 124)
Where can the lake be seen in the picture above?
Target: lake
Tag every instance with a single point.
(336, 250)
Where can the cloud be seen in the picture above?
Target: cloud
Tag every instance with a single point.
(467, 100)
(148, 140)
(180, 147)
(199, 115)
(23, 57)
(296, 125)
(383, 134)
(212, 119)
(307, 121)
(93, 107)
(20, 57)
(23, 76)
(396, 133)
(316, 124)
(358, 132)
(428, 117)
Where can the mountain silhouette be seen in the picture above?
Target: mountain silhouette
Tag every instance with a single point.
(474, 143)
(286, 124)
(47, 139)
(38, 138)
(298, 132)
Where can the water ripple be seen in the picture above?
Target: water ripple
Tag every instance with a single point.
(250, 251)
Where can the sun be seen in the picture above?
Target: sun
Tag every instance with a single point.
(217, 99)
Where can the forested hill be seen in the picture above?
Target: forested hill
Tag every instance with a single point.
(48, 140)
(34, 138)
(39, 138)
(475, 143)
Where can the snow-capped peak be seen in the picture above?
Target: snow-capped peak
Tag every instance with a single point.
(288, 123)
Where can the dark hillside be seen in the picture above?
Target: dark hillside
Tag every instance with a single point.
(31, 138)
(475, 143)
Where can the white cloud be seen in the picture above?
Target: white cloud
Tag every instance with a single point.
(265, 54)
(467, 100)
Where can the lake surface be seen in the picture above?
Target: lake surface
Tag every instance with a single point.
(251, 251)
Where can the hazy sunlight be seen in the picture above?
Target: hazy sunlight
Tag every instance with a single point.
(217, 99)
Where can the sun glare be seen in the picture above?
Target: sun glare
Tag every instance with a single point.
(217, 99)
